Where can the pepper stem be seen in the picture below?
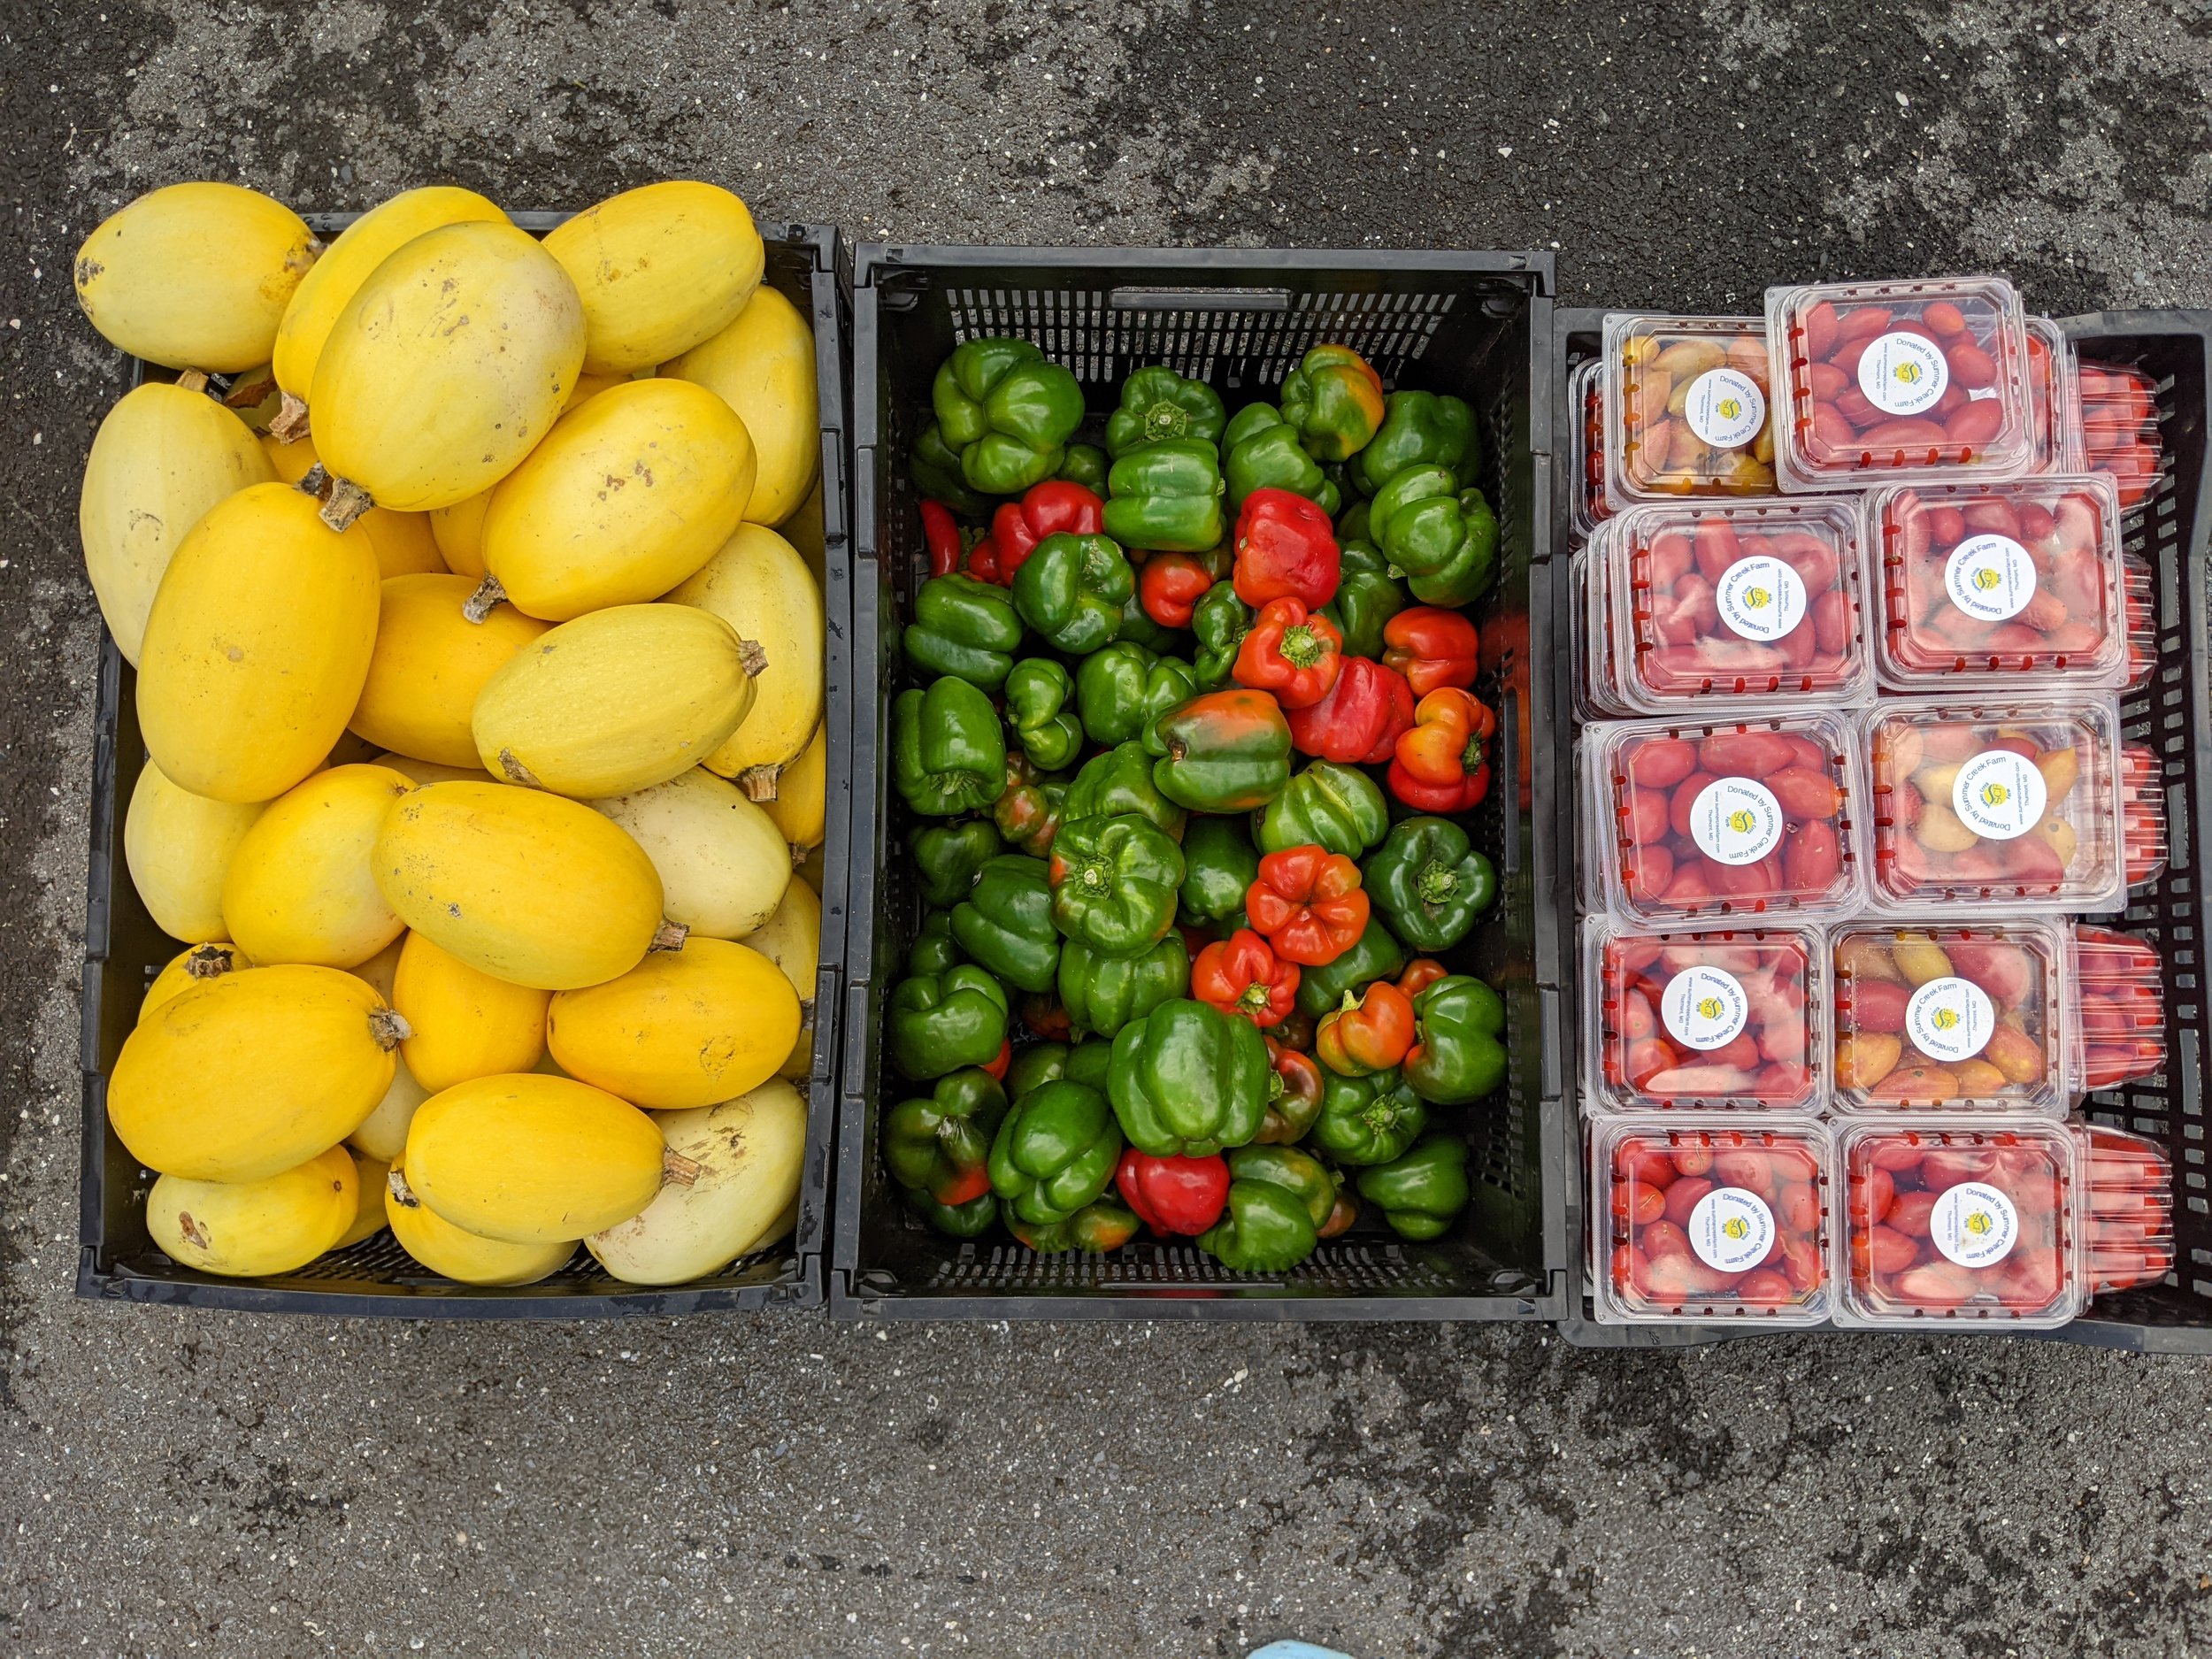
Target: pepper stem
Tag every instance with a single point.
(1437, 883)
(1301, 647)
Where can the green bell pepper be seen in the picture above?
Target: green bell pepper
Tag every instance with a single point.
(1352, 526)
(964, 626)
(971, 1220)
(1005, 924)
(1121, 689)
(934, 467)
(1265, 1228)
(1444, 538)
(1071, 589)
(1221, 620)
(1114, 882)
(1458, 1053)
(1335, 400)
(949, 855)
(948, 752)
(1160, 406)
(1421, 1194)
(1367, 596)
(1119, 782)
(1040, 698)
(1293, 1170)
(1377, 955)
(1138, 628)
(1369, 1119)
(1055, 1151)
(1103, 1224)
(1225, 751)
(941, 1144)
(1008, 411)
(1166, 497)
(1220, 867)
(940, 1022)
(1260, 451)
(1188, 1080)
(1329, 805)
(1085, 463)
(1418, 429)
(934, 949)
(1089, 1064)
(1103, 994)
(1428, 884)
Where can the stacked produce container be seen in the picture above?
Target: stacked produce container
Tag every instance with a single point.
(1852, 618)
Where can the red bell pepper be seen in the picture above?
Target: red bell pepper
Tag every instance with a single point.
(1294, 655)
(1173, 583)
(1358, 722)
(1308, 902)
(997, 1068)
(1044, 1015)
(1286, 550)
(1176, 1195)
(1420, 973)
(1433, 647)
(1370, 1033)
(1242, 974)
(940, 535)
(1440, 764)
(1017, 526)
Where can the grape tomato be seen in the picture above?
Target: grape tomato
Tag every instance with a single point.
(2119, 1009)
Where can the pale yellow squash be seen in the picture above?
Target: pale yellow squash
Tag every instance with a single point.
(251, 1074)
(179, 847)
(381, 969)
(685, 1027)
(257, 646)
(801, 807)
(358, 250)
(628, 494)
(189, 967)
(532, 1159)
(617, 700)
(251, 395)
(723, 863)
(351, 749)
(762, 365)
(758, 584)
(463, 1023)
(383, 1132)
(162, 458)
(589, 385)
(792, 939)
(445, 369)
(250, 1229)
(431, 771)
(429, 665)
(369, 1176)
(457, 1253)
(660, 269)
(459, 531)
(403, 541)
(196, 276)
(527, 887)
(301, 888)
(749, 1153)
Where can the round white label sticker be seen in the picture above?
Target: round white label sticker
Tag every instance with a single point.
(1732, 1229)
(1725, 408)
(1704, 1008)
(1999, 794)
(1761, 598)
(1903, 374)
(1990, 576)
(1950, 1019)
(1973, 1224)
(1736, 821)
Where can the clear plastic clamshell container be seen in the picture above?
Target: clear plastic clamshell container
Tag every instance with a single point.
(1954, 1016)
(2142, 815)
(1687, 408)
(1723, 1018)
(1712, 1219)
(1994, 806)
(1586, 396)
(1732, 819)
(1597, 693)
(1923, 382)
(2054, 401)
(2128, 1236)
(1950, 1222)
(1754, 602)
(2119, 429)
(2119, 1008)
(1984, 584)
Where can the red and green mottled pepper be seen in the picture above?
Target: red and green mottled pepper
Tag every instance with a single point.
(1219, 862)
(1458, 1055)
(1166, 497)
(1260, 451)
(1120, 782)
(1225, 751)
(1102, 994)
(964, 627)
(1055, 1152)
(1421, 1194)
(947, 751)
(1329, 805)
(1121, 689)
(1175, 1194)
(1190, 1079)
(1335, 399)
(1115, 883)
(1293, 1096)
(1008, 411)
(1071, 589)
(1041, 707)
(1418, 429)
(1428, 884)
(1160, 406)
(940, 1022)
(1005, 922)
(1441, 763)
(941, 1144)
(1367, 1034)
(1369, 1119)
(949, 855)
(1028, 812)
(1101, 1226)
(1285, 549)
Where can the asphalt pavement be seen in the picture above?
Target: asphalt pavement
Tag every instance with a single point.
(173, 1483)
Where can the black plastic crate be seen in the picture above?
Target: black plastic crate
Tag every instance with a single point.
(124, 951)
(1476, 324)
(2171, 715)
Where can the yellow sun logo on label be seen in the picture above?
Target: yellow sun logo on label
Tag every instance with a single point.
(1979, 1224)
(1736, 1227)
(1986, 578)
(1742, 821)
(1709, 1008)
(1907, 374)
(1995, 794)
(1757, 598)
(1946, 1017)
(1731, 407)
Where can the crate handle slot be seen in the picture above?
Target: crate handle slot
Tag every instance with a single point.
(1196, 299)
